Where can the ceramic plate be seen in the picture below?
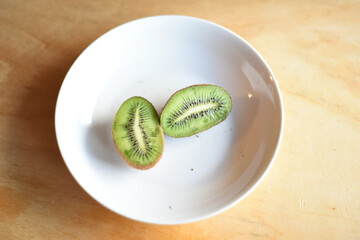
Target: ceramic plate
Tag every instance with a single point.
(198, 176)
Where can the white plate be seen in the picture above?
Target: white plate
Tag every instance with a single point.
(153, 57)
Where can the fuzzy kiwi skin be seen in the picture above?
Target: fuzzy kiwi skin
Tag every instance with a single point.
(138, 166)
(196, 85)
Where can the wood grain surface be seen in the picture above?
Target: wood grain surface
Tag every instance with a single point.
(313, 189)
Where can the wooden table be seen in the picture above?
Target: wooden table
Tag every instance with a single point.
(313, 189)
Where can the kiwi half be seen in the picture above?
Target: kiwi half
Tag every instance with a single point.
(137, 133)
(194, 109)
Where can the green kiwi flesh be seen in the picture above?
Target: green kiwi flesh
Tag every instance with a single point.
(194, 109)
(137, 133)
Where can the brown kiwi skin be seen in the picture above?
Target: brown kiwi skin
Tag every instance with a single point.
(139, 166)
(202, 84)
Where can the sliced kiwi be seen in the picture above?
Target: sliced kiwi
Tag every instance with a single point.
(137, 133)
(194, 109)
